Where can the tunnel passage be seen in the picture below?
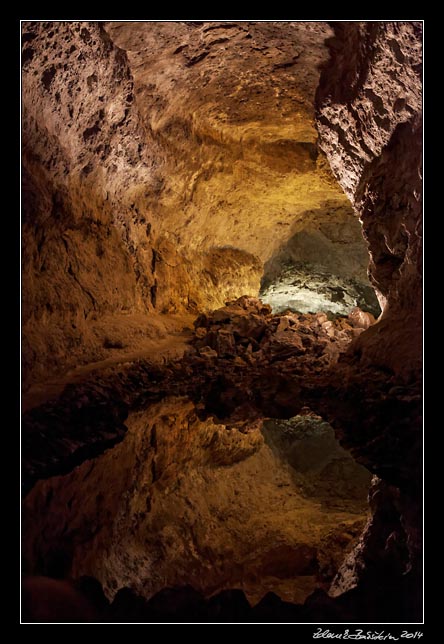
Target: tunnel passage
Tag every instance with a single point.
(322, 267)
(157, 188)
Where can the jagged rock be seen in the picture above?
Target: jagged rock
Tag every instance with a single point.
(369, 115)
(225, 343)
(207, 352)
(245, 322)
(200, 332)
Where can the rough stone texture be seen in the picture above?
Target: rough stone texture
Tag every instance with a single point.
(319, 240)
(234, 104)
(152, 179)
(85, 157)
(312, 288)
(369, 115)
(276, 375)
(383, 545)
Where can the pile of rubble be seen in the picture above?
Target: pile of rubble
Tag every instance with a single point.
(246, 332)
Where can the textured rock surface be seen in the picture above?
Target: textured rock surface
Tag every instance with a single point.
(245, 363)
(311, 288)
(244, 137)
(184, 501)
(154, 181)
(369, 116)
(79, 128)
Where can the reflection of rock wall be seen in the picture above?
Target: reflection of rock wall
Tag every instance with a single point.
(150, 224)
(319, 465)
(240, 356)
(369, 122)
(182, 501)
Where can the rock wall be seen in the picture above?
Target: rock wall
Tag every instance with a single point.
(85, 159)
(155, 184)
(194, 192)
(369, 117)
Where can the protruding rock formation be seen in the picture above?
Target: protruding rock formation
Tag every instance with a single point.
(369, 117)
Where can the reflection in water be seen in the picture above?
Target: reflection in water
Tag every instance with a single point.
(273, 506)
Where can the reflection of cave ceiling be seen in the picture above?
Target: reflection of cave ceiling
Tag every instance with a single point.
(182, 499)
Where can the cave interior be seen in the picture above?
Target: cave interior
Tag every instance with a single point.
(221, 307)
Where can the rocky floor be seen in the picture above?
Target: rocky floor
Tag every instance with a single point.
(243, 363)
(126, 339)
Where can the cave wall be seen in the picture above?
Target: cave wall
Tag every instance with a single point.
(85, 159)
(159, 183)
(319, 240)
(154, 183)
(369, 117)
(233, 104)
(146, 203)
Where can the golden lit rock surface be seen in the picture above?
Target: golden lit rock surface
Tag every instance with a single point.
(234, 105)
